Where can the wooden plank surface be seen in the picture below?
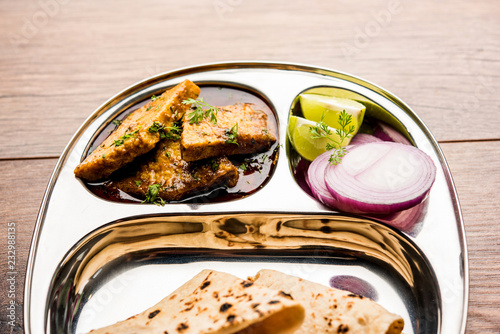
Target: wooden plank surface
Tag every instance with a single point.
(441, 57)
(60, 59)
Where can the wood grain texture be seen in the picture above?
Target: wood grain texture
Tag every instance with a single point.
(60, 59)
(21, 192)
(476, 172)
(441, 57)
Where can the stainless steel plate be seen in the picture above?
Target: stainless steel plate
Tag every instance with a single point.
(94, 262)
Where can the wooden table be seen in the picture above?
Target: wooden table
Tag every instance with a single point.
(60, 59)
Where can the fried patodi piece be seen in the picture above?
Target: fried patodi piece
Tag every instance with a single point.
(175, 177)
(240, 129)
(216, 303)
(133, 137)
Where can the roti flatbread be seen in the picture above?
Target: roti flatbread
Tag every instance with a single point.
(330, 310)
(216, 303)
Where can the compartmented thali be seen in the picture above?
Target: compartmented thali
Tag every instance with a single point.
(95, 260)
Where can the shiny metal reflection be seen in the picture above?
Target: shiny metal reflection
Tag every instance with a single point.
(290, 238)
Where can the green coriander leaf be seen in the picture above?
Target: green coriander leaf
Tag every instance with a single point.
(138, 183)
(200, 110)
(157, 126)
(214, 165)
(232, 135)
(346, 130)
(152, 195)
(172, 132)
(321, 130)
(126, 136)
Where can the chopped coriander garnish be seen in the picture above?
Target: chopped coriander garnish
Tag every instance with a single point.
(244, 166)
(214, 165)
(104, 156)
(321, 130)
(266, 132)
(169, 132)
(152, 195)
(149, 108)
(263, 157)
(153, 97)
(138, 183)
(198, 114)
(116, 122)
(232, 135)
(157, 126)
(126, 136)
(168, 154)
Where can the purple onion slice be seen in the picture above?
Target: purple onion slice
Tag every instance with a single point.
(388, 133)
(316, 179)
(364, 138)
(380, 178)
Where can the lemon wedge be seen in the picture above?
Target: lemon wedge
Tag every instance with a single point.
(314, 106)
(304, 143)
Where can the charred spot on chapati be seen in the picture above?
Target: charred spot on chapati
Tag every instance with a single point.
(224, 307)
(286, 295)
(343, 328)
(204, 285)
(153, 314)
(188, 309)
(246, 284)
(230, 318)
(182, 327)
(271, 302)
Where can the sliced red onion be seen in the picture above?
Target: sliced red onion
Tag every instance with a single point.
(300, 173)
(380, 178)
(388, 133)
(316, 179)
(404, 220)
(364, 138)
